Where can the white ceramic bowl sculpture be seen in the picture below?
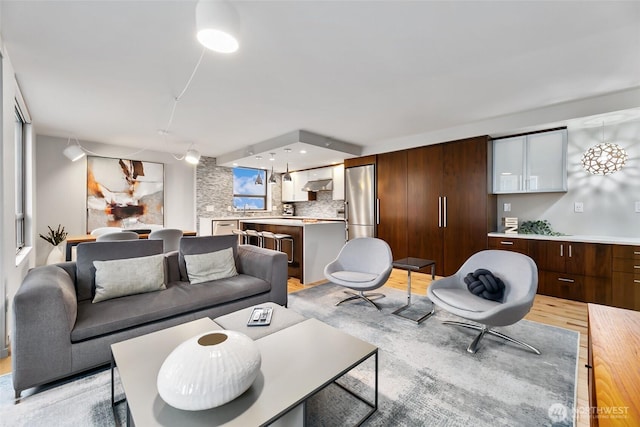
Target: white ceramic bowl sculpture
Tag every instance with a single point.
(209, 370)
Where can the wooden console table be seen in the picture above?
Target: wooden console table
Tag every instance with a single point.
(614, 361)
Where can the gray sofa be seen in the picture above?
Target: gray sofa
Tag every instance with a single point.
(58, 331)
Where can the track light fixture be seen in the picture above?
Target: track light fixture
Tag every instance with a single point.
(192, 156)
(74, 152)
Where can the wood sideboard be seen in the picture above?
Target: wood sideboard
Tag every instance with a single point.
(600, 273)
(614, 366)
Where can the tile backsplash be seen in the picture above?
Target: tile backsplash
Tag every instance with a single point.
(323, 207)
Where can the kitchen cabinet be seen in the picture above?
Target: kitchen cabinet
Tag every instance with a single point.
(319, 173)
(512, 244)
(530, 163)
(292, 190)
(573, 270)
(392, 195)
(435, 202)
(626, 277)
(338, 182)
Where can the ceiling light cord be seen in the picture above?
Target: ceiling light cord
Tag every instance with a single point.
(177, 99)
(86, 150)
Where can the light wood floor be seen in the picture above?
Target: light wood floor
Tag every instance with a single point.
(548, 310)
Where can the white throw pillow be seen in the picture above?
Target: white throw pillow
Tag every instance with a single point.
(122, 277)
(210, 266)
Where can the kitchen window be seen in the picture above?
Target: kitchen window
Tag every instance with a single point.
(249, 189)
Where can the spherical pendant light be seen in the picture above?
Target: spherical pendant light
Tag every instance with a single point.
(604, 158)
(218, 26)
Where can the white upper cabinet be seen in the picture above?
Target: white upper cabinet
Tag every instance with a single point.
(292, 190)
(533, 163)
(338, 182)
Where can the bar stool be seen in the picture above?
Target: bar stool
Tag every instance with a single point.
(241, 234)
(257, 235)
(278, 238)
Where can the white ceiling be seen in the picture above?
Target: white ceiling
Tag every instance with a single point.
(379, 74)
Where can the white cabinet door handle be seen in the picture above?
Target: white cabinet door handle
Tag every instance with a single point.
(439, 211)
(562, 279)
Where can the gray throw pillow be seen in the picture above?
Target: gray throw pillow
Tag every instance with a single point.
(210, 266)
(122, 277)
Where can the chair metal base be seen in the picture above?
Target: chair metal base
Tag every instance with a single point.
(361, 295)
(473, 347)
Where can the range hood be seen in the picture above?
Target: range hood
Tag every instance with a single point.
(319, 185)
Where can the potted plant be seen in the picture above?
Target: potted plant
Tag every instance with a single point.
(56, 238)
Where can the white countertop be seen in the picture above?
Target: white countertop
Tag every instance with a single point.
(616, 240)
(292, 222)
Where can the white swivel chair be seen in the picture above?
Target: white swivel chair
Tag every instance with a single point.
(118, 236)
(520, 276)
(363, 264)
(170, 238)
(104, 230)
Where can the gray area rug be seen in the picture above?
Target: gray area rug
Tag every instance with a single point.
(426, 377)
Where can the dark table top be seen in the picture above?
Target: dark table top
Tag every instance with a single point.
(412, 263)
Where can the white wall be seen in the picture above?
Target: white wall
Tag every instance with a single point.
(609, 201)
(12, 268)
(61, 187)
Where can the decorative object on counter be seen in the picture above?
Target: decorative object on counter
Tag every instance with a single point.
(511, 225)
(56, 238)
(209, 370)
(541, 226)
(604, 158)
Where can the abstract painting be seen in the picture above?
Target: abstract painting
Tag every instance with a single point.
(124, 193)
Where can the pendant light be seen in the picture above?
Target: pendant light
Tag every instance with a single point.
(217, 25)
(604, 158)
(287, 176)
(272, 178)
(258, 179)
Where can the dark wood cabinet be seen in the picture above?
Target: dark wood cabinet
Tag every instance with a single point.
(626, 277)
(513, 244)
(435, 202)
(573, 270)
(391, 170)
(469, 211)
(424, 208)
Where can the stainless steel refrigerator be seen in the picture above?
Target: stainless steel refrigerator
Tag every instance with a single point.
(360, 201)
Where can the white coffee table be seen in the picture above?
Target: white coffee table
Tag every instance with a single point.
(297, 362)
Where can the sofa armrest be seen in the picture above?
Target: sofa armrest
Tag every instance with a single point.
(44, 313)
(268, 265)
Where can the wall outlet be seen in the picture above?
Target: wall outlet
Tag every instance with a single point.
(578, 207)
(507, 207)
(210, 208)
(638, 206)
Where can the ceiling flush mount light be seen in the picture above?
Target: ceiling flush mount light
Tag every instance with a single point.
(218, 26)
(74, 152)
(604, 158)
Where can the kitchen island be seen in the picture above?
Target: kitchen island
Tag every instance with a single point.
(315, 243)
